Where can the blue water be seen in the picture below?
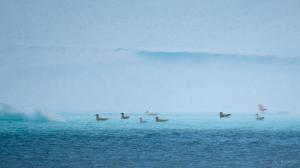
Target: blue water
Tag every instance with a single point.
(183, 141)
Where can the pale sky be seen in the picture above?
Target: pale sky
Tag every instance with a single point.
(137, 55)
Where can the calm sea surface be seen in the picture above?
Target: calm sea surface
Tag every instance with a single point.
(183, 141)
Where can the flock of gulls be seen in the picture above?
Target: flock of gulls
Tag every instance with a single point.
(259, 115)
(124, 117)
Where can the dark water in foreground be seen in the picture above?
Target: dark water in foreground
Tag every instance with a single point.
(89, 144)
